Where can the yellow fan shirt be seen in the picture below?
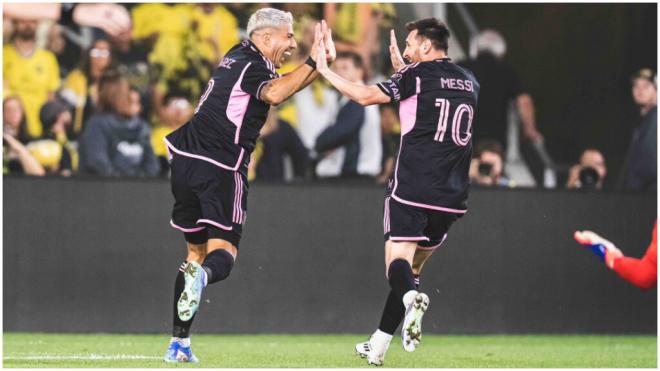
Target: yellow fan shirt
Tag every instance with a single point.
(31, 79)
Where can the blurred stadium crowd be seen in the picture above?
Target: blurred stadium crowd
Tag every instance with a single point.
(81, 100)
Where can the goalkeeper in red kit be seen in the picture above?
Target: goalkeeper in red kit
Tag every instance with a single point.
(642, 273)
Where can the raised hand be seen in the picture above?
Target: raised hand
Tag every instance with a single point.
(395, 54)
(112, 18)
(321, 60)
(330, 51)
(318, 36)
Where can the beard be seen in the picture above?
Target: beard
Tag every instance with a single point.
(26, 35)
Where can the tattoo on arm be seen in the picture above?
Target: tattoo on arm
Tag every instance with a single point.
(264, 91)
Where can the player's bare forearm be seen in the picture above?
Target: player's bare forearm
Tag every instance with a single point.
(32, 11)
(362, 94)
(525, 105)
(312, 76)
(281, 89)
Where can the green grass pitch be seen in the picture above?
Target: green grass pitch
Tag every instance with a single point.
(331, 351)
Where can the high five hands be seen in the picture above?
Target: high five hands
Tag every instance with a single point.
(323, 40)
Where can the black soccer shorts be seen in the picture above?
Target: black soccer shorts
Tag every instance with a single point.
(403, 223)
(209, 202)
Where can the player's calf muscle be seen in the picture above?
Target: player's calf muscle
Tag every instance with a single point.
(196, 252)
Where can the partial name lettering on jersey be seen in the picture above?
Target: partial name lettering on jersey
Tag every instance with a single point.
(226, 63)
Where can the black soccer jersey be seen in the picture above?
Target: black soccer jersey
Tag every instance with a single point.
(229, 115)
(437, 100)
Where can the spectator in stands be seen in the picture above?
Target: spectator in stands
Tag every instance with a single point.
(115, 142)
(391, 130)
(16, 159)
(354, 140)
(177, 53)
(176, 112)
(356, 28)
(69, 43)
(640, 169)
(487, 168)
(130, 58)
(136, 103)
(81, 85)
(278, 141)
(589, 173)
(54, 152)
(13, 121)
(29, 72)
(500, 84)
(216, 28)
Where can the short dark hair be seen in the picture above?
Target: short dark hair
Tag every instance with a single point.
(432, 29)
(489, 145)
(353, 56)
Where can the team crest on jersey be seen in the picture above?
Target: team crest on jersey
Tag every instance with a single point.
(227, 62)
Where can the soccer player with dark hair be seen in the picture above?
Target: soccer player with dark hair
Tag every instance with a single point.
(429, 189)
(210, 156)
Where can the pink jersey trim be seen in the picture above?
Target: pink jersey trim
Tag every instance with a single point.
(426, 206)
(186, 230)
(214, 162)
(422, 238)
(215, 224)
(237, 104)
(433, 247)
(238, 199)
(408, 110)
(386, 216)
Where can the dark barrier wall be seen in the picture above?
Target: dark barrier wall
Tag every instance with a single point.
(96, 255)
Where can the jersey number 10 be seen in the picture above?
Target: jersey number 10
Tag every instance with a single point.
(461, 110)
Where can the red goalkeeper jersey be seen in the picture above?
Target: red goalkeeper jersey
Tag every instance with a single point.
(643, 272)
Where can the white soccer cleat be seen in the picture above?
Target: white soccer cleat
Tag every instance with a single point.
(191, 297)
(374, 350)
(411, 331)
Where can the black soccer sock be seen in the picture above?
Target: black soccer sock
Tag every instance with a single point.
(217, 265)
(394, 311)
(401, 278)
(180, 329)
(392, 314)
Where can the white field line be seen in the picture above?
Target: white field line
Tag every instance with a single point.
(89, 357)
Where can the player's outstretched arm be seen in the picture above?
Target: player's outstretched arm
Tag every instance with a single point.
(362, 94)
(278, 90)
(642, 273)
(112, 18)
(281, 89)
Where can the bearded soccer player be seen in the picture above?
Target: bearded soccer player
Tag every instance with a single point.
(210, 156)
(429, 189)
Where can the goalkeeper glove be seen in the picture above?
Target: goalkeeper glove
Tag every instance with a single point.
(603, 248)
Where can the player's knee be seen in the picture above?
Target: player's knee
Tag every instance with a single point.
(220, 262)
